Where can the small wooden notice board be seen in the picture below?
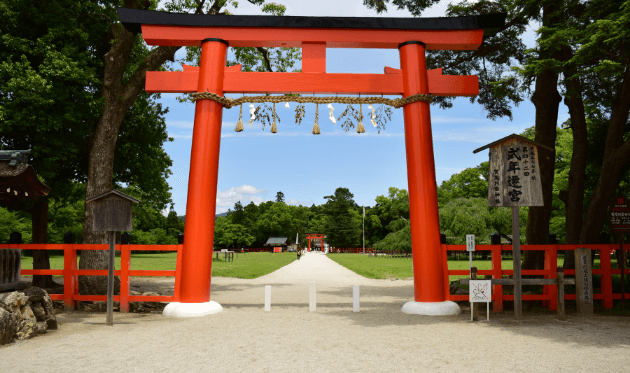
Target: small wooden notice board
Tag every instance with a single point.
(514, 174)
(514, 181)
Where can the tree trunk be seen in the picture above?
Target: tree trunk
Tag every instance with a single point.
(575, 195)
(41, 259)
(616, 155)
(102, 142)
(546, 99)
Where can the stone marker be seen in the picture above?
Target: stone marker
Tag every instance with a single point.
(312, 302)
(584, 281)
(267, 298)
(355, 298)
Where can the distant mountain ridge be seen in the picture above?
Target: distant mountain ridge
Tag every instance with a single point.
(183, 217)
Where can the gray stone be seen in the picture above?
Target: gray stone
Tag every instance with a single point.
(14, 301)
(25, 313)
(26, 329)
(8, 326)
(35, 294)
(49, 306)
(38, 310)
(42, 327)
(51, 323)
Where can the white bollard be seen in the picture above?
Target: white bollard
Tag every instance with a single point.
(355, 298)
(312, 304)
(267, 298)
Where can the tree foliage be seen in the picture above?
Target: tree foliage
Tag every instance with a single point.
(343, 223)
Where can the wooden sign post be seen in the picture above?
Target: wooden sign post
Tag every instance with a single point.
(583, 281)
(620, 223)
(112, 213)
(514, 181)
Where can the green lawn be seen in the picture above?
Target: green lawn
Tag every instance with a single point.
(401, 268)
(247, 266)
(253, 265)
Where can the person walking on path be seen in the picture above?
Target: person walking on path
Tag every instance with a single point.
(299, 253)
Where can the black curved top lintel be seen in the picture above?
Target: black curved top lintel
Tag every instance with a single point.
(134, 18)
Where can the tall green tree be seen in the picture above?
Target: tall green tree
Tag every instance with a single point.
(174, 225)
(343, 222)
(470, 183)
(388, 208)
(588, 46)
(228, 234)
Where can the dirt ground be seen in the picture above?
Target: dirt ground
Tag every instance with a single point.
(380, 338)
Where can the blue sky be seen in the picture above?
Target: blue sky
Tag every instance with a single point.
(255, 164)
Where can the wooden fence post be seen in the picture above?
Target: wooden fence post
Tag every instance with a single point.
(474, 306)
(497, 290)
(551, 262)
(606, 277)
(178, 270)
(560, 300)
(125, 281)
(69, 279)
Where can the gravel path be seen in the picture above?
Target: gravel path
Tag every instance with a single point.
(380, 338)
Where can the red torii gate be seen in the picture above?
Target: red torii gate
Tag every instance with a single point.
(214, 33)
(315, 236)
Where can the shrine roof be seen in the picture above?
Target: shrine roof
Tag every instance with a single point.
(134, 18)
(510, 137)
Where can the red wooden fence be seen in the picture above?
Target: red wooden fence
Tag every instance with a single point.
(549, 296)
(70, 273)
(353, 250)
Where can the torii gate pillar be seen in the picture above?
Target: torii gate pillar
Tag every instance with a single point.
(194, 299)
(427, 256)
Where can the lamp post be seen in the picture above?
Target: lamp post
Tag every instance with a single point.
(363, 229)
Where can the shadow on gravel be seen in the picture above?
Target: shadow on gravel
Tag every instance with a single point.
(581, 330)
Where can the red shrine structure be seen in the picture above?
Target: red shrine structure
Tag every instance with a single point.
(215, 33)
(315, 236)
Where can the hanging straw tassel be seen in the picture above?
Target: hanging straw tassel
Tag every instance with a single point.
(316, 125)
(274, 128)
(360, 127)
(239, 124)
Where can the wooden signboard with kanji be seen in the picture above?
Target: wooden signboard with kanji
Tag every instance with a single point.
(514, 181)
(514, 174)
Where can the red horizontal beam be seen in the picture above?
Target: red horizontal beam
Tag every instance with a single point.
(272, 37)
(259, 82)
(131, 298)
(169, 273)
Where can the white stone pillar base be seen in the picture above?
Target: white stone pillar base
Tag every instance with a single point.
(445, 308)
(176, 309)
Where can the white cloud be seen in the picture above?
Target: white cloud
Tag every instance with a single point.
(244, 193)
(248, 189)
(295, 202)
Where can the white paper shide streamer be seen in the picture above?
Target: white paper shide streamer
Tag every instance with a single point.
(331, 116)
(373, 115)
(251, 111)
